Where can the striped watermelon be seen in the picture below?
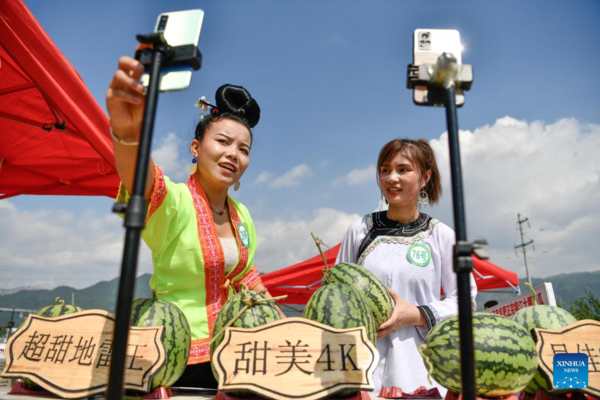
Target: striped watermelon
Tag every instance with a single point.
(52, 311)
(176, 339)
(58, 309)
(260, 312)
(545, 317)
(505, 356)
(377, 296)
(341, 306)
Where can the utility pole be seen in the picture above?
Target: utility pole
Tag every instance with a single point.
(524, 245)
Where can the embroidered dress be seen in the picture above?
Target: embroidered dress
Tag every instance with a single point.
(189, 265)
(415, 261)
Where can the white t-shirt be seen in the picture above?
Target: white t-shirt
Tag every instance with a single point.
(415, 261)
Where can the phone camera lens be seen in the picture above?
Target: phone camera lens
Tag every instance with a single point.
(162, 24)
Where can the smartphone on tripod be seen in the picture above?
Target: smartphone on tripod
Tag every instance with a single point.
(179, 28)
(428, 45)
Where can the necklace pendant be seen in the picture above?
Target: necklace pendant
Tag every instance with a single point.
(218, 212)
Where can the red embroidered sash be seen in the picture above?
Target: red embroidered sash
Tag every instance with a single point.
(216, 289)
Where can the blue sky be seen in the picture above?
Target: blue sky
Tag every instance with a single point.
(330, 79)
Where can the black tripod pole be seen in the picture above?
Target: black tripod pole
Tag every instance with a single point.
(134, 223)
(463, 263)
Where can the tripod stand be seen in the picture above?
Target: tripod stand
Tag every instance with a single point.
(155, 57)
(441, 80)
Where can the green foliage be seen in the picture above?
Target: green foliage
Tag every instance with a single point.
(586, 307)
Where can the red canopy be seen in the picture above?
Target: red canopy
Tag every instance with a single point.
(301, 280)
(54, 139)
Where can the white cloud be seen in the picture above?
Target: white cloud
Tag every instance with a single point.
(356, 177)
(167, 156)
(549, 173)
(49, 248)
(283, 242)
(293, 176)
(263, 177)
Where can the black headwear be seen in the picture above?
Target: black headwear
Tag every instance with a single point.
(238, 101)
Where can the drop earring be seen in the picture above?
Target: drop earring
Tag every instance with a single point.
(194, 166)
(237, 185)
(423, 198)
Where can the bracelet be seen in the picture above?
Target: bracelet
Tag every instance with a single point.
(124, 143)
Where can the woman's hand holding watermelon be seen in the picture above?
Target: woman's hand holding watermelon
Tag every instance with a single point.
(404, 315)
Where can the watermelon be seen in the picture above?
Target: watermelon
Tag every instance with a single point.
(544, 317)
(341, 306)
(259, 310)
(377, 296)
(505, 356)
(58, 309)
(176, 338)
(51, 311)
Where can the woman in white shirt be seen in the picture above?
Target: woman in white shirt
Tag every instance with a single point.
(411, 253)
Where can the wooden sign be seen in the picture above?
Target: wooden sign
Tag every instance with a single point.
(295, 358)
(70, 355)
(580, 337)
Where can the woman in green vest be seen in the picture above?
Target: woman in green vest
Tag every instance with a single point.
(203, 242)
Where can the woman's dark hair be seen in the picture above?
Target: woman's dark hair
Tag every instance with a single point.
(422, 155)
(234, 103)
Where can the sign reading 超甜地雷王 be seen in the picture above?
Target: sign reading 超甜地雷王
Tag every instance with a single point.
(70, 355)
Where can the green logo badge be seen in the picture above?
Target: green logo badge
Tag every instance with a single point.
(419, 255)
(243, 233)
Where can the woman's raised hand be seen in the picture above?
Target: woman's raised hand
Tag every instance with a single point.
(125, 100)
(404, 315)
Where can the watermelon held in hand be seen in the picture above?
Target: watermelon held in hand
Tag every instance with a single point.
(505, 355)
(176, 339)
(246, 309)
(544, 317)
(341, 306)
(377, 296)
(51, 311)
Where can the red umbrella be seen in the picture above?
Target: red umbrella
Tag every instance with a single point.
(301, 280)
(54, 138)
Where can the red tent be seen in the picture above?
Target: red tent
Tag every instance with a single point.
(54, 138)
(301, 280)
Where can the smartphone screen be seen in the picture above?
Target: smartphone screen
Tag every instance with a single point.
(179, 28)
(428, 45)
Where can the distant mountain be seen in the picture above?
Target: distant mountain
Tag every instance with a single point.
(102, 295)
(11, 291)
(567, 288)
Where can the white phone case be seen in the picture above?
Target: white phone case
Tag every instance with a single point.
(428, 45)
(182, 28)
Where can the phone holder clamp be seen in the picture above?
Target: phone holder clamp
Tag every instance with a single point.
(439, 74)
(176, 56)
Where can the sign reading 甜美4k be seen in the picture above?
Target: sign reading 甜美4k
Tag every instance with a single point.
(70, 355)
(295, 358)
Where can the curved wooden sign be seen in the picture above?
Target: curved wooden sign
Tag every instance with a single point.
(70, 355)
(579, 337)
(295, 358)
